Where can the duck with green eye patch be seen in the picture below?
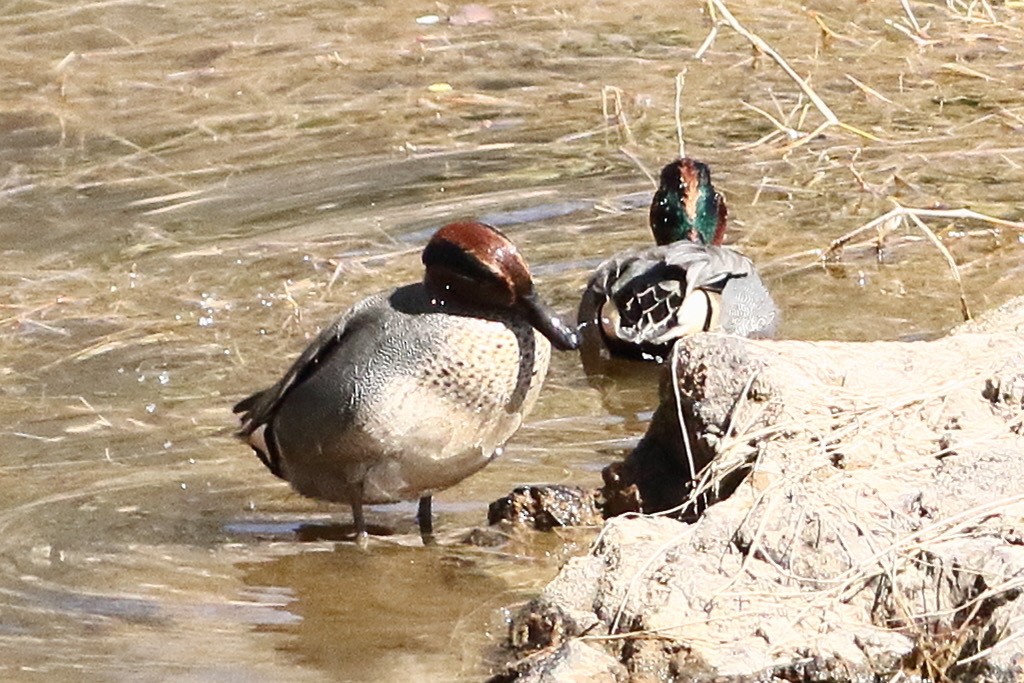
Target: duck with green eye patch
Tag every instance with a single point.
(638, 303)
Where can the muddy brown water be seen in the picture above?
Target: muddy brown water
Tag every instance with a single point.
(188, 190)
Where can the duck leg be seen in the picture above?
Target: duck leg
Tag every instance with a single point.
(425, 517)
(357, 518)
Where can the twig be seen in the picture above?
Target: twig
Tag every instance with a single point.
(964, 308)
(830, 116)
(764, 47)
(868, 90)
(900, 211)
(639, 164)
(706, 45)
(910, 17)
(791, 133)
(680, 83)
(896, 216)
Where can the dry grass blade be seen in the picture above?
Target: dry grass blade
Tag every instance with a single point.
(966, 71)
(891, 220)
(616, 113)
(965, 310)
(831, 119)
(904, 211)
(911, 18)
(762, 45)
(921, 42)
(708, 42)
(113, 342)
(680, 83)
(826, 30)
(640, 164)
(1002, 642)
(681, 419)
(868, 90)
(791, 133)
(636, 579)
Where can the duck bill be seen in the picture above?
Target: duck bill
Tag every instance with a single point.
(545, 321)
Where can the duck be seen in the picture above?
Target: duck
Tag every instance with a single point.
(412, 390)
(636, 304)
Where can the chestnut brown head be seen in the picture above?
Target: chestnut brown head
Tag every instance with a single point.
(474, 263)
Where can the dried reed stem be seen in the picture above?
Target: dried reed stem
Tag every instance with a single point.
(965, 310)
(911, 18)
(758, 42)
(680, 83)
(762, 45)
(901, 211)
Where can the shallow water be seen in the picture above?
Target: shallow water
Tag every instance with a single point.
(187, 191)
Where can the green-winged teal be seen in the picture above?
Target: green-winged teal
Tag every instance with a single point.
(638, 303)
(412, 390)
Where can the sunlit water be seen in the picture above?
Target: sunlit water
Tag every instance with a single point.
(188, 190)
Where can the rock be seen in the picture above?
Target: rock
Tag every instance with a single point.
(540, 625)
(546, 507)
(843, 512)
(572, 662)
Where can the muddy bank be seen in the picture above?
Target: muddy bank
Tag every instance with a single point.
(857, 512)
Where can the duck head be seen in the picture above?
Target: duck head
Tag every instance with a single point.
(473, 263)
(686, 206)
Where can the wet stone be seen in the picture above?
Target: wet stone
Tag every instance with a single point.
(546, 507)
(573, 661)
(485, 538)
(541, 624)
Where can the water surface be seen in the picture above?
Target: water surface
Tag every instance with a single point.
(187, 191)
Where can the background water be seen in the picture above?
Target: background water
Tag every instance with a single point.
(189, 189)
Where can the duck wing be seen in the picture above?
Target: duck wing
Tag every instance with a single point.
(257, 411)
(647, 299)
(259, 408)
